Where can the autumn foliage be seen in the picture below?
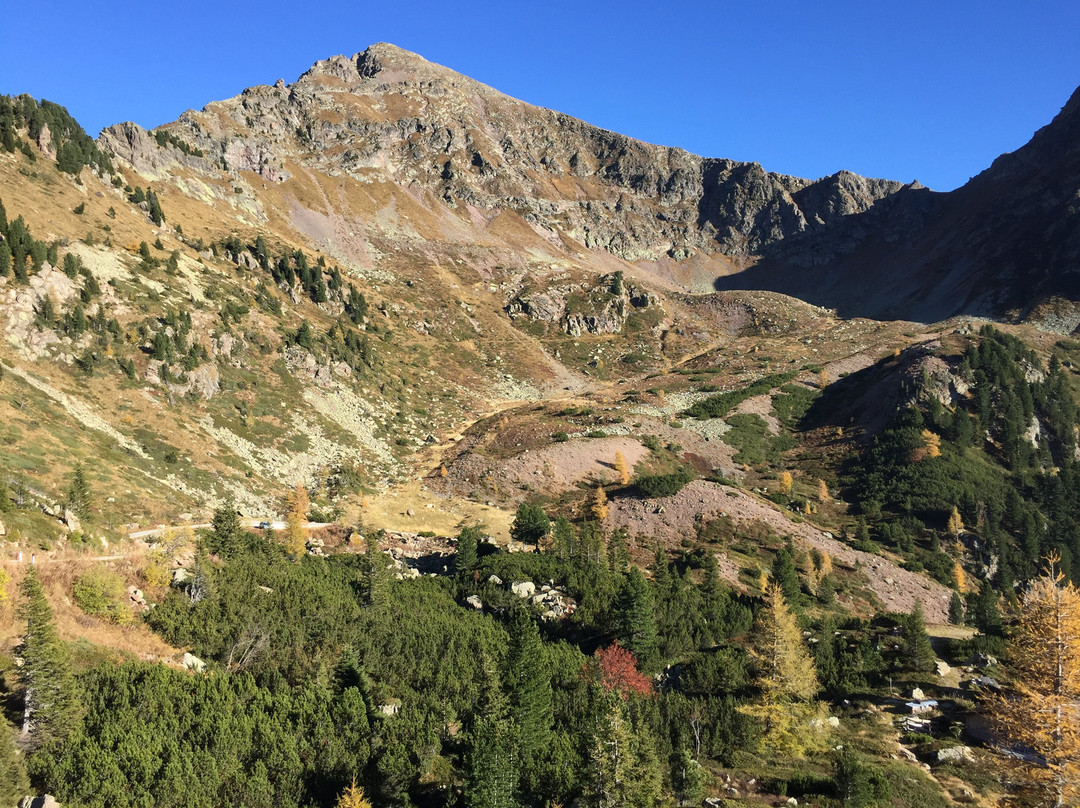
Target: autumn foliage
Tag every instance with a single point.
(617, 669)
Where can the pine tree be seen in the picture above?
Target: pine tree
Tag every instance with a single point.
(786, 576)
(13, 782)
(5, 259)
(858, 784)
(786, 678)
(79, 497)
(1041, 710)
(636, 618)
(467, 544)
(562, 534)
(530, 524)
(918, 654)
(956, 609)
(227, 530)
(622, 469)
(50, 707)
(528, 686)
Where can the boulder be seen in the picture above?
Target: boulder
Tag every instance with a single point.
(44, 801)
(955, 754)
(917, 694)
(523, 589)
(71, 521)
(942, 667)
(475, 602)
(193, 663)
(495, 579)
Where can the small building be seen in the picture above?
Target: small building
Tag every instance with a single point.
(920, 707)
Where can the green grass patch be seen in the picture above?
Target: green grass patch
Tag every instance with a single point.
(721, 404)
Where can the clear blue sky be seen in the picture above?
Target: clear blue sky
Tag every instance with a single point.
(906, 90)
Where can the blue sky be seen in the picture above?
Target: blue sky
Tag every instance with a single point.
(905, 90)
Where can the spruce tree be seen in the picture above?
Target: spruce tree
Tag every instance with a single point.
(562, 534)
(918, 654)
(5, 259)
(636, 618)
(50, 707)
(491, 760)
(530, 524)
(79, 497)
(467, 543)
(528, 685)
(13, 782)
(786, 576)
(225, 540)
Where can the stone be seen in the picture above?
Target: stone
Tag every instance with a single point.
(180, 575)
(193, 663)
(3, 530)
(475, 602)
(43, 801)
(523, 589)
(71, 521)
(917, 694)
(495, 579)
(955, 754)
(942, 667)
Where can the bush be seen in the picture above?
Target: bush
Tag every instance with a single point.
(655, 486)
(100, 592)
(560, 437)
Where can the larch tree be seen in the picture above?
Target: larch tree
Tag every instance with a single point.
(785, 482)
(622, 469)
(599, 506)
(1039, 713)
(786, 680)
(823, 494)
(51, 709)
(955, 524)
(353, 797)
(295, 532)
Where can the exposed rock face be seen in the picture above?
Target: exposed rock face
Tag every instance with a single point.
(389, 113)
(602, 309)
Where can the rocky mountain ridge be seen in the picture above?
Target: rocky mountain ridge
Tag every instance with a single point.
(389, 114)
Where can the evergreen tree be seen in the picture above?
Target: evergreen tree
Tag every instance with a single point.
(956, 609)
(983, 611)
(528, 686)
(79, 497)
(859, 785)
(13, 783)
(5, 259)
(562, 534)
(51, 710)
(636, 618)
(467, 543)
(1041, 713)
(786, 576)
(225, 538)
(530, 524)
(918, 654)
(491, 760)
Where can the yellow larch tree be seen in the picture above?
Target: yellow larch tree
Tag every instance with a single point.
(932, 443)
(823, 491)
(295, 537)
(823, 378)
(599, 506)
(786, 679)
(622, 469)
(1039, 712)
(959, 577)
(353, 797)
(955, 524)
(785, 482)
